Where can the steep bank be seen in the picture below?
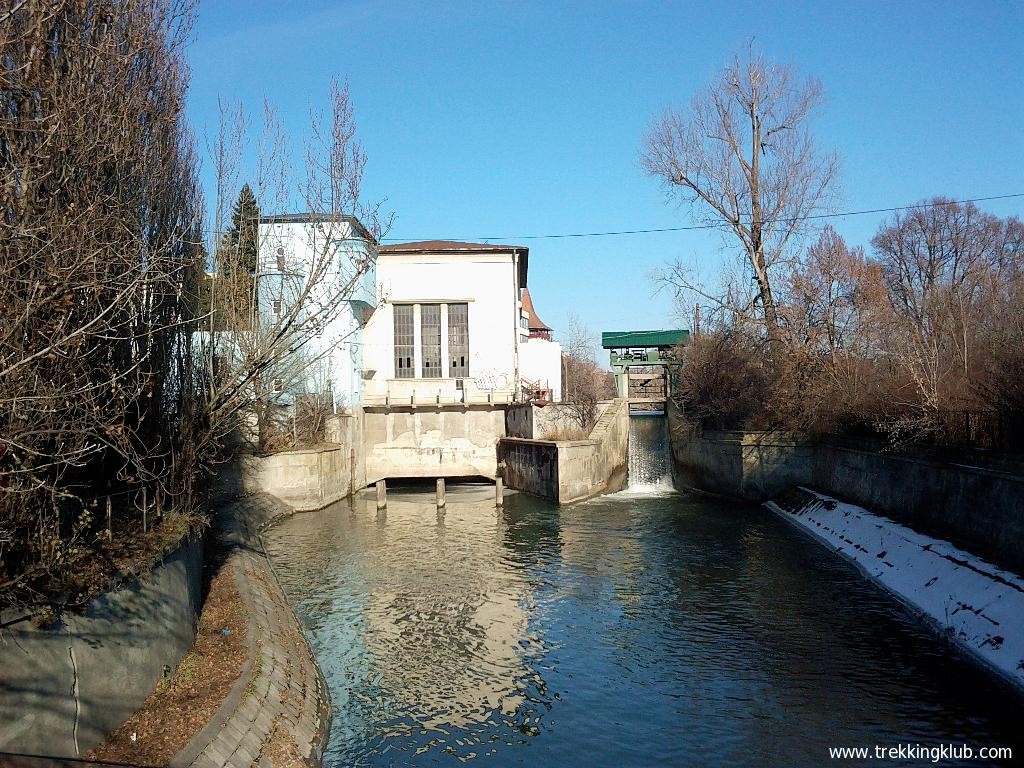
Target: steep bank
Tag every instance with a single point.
(977, 606)
(64, 688)
(974, 501)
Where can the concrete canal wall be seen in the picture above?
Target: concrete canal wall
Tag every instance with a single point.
(377, 443)
(972, 603)
(63, 689)
(571, 470)
(306, 478)
(539, 422)
(978, 506)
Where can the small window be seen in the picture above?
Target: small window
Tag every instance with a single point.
(278, 386)
(280, 260)
(277, 307)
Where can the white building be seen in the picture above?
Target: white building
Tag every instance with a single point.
(540, 358)
(288, 245)
(450, 324)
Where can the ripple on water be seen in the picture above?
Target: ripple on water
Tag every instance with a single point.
(636, 629)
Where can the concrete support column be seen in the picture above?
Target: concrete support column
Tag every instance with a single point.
(622, 383)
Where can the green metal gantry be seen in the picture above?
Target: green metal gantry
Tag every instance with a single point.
(644, 362)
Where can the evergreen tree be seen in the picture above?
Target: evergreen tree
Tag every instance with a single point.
(245, 222)
(237, 259)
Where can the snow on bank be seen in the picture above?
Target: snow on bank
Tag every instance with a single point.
(978, 606)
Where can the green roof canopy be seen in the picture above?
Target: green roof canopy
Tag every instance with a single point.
(624, 339)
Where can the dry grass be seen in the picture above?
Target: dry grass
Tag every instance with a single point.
(182, 705)
(566, 432)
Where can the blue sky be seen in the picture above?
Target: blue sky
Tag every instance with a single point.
(506, 119)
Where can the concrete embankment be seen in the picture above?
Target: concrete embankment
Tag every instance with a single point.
(568, 471)
(974, 501)
(64, 688)
(281, 688)
(977, 606)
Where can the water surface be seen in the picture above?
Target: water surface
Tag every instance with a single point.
(635, 629)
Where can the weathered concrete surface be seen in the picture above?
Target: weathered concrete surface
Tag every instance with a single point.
(281, 684)
(573, 470)
(62, 690)
(977, 508)
(530, 466)
(539, 422)
(305, 478)
(455, 441)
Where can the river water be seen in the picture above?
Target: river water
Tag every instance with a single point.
(643, 628)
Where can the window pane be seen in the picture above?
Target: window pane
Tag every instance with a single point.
(430, 338)
(404, 341)
(458, 340)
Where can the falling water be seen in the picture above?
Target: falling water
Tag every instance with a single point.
(649, 467)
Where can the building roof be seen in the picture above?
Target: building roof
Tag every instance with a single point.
(314, 218)
(625, 339)
(449, 246)
(457, 247)
(534, 323)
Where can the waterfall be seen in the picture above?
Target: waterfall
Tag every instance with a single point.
(649, 453)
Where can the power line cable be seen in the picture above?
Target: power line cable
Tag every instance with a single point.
(717, 225)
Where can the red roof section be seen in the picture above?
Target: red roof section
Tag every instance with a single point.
(534, 323)
(449, 246)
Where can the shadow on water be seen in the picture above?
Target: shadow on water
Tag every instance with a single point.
(635, 629)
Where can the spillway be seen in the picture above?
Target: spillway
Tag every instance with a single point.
(650, 466)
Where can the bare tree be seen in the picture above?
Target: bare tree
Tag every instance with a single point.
(261, 357)
(584, 384)
(99, 218)
(745, 157)
(947, 268)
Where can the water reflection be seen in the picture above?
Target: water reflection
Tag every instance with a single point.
(630, 630)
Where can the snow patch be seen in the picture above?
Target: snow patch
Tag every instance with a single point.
(978, 606)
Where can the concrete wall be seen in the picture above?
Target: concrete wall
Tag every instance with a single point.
(432, 442)
(530, 465)
(574, 470)
(311, 478)
(538, 422)
(976, 508)
(63, 689)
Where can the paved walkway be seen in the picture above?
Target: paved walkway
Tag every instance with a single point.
(278, 709)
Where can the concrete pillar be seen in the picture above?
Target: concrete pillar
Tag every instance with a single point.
(622, 383)
(499, 501)
(382, 495)
(440, 493)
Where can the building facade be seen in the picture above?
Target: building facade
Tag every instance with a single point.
(340, 255)
(540, 357)
(449, 326)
